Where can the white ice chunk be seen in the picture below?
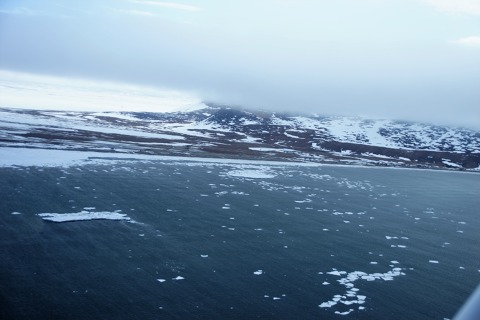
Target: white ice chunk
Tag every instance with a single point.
(84, 215)
(327, 304)
(252, 174)
(343, 313)
(351, 291)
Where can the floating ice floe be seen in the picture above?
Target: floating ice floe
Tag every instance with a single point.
(258, 272)
(307, 200)
(251, 173)
(240, 193)
(16, 213)
(344, 313)
(337, 273)
(351, 295)
(398, 246)
(178, 278)
(395, 237)
(84, 216)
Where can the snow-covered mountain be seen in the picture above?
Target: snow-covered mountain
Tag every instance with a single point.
(219, 131)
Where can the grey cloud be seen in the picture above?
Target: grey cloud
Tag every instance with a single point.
(256, 71)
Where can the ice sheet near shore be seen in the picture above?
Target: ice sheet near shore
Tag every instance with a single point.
(84, 216)
(25, 157)
(31, 157)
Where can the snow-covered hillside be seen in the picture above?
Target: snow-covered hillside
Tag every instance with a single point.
(233, 133)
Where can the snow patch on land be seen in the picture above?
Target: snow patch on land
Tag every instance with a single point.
(451, 164)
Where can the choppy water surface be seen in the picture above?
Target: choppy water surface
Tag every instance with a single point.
(187, 240)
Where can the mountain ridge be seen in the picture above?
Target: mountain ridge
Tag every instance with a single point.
(228, 132)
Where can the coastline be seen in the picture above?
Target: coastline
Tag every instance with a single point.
(14, 157)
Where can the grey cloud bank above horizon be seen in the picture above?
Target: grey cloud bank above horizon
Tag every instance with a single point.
(341, 61)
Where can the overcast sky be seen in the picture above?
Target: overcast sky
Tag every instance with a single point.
(406, 59)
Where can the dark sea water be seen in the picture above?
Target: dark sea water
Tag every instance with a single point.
(204, 242)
